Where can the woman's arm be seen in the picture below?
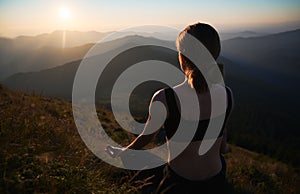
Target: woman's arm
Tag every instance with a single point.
(147, 135)
(142, 140)
(224, 146)
(230, 103)
(138, 143)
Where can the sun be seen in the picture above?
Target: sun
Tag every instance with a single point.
(64, 13)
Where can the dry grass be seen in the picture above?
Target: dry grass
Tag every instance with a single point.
(41, 152)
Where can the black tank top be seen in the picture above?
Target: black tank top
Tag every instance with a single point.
(173, 118)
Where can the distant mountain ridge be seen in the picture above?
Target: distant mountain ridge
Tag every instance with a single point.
(22, 60)
(33, 53)
(55, 38)
(242, 34)
(276, 52)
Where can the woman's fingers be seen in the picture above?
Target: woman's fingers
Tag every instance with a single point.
(110, 151)
(113, 151)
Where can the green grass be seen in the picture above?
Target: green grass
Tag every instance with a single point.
(41, 152)
(250, 172)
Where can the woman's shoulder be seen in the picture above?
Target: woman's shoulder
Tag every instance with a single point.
(159, 95)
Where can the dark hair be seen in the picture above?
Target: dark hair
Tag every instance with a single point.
(209, 37)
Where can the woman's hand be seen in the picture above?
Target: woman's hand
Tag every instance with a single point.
(114, 151)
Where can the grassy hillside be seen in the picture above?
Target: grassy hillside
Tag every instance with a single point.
(42, 152)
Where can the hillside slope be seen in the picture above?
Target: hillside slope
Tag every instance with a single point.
(42, 152)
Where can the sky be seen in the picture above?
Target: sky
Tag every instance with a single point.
(31, 17)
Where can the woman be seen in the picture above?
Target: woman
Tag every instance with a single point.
(190, 172)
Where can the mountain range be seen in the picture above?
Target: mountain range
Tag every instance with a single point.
(33, 53)
(44, 51)
(242, 34)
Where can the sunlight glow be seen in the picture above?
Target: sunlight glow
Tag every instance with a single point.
(64, 13)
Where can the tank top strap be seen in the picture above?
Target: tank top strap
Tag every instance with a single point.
(173, 110)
